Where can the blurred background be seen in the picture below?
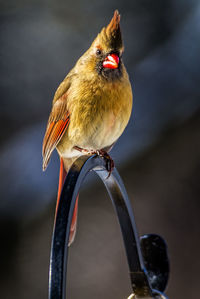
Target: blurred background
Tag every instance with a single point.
(157, 156)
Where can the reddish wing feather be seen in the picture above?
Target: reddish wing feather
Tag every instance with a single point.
(54, 133)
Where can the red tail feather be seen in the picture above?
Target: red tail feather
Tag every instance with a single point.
(62, 176)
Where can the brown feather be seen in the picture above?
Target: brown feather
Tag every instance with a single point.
(58, 120)
(111, 35)
(56, 127)
(114, 26)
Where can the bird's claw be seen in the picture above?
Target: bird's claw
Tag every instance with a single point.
(101, 153)
(109, 161)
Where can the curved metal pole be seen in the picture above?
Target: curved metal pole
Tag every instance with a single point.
(59, 251)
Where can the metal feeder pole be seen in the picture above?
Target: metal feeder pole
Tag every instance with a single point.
(59, 251)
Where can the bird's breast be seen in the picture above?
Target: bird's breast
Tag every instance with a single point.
(98, 115)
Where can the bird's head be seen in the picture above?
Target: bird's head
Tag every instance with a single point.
(104, 55)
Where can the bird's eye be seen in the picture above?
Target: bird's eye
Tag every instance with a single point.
(98, 52)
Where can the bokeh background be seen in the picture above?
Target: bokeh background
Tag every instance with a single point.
(157, 156)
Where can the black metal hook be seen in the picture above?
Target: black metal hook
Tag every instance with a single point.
(140, 281)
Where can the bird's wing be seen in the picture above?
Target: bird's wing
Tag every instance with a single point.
(56, 127)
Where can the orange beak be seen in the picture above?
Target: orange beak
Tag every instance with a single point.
(111, 61)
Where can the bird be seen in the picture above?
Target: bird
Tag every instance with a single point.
(91, 107)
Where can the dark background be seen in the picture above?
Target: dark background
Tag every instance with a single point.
(157, 156)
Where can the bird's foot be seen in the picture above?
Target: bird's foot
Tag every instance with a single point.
(109, 161)
(84, 151)
(101, 153)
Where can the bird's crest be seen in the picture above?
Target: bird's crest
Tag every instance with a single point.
(111, 35)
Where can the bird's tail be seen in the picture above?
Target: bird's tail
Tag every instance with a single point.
(62, 176)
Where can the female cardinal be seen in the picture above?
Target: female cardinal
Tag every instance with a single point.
(91, 107)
